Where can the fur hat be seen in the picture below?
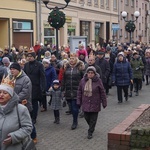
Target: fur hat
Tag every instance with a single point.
(91, 68)
(15, 65)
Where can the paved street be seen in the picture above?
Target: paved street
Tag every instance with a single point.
(61, 137)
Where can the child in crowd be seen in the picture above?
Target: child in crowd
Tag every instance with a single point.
(56, 94)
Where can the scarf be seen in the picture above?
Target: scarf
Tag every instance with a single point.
(88, 88)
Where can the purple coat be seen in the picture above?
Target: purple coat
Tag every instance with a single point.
(92, 103)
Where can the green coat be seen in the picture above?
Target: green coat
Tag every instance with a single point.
(137, 66)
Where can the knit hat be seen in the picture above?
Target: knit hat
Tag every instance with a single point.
(16, 66)
(91, 68)
(7, 85)
(5, 60)
(46, 60)
(121, 53)
(56, 82)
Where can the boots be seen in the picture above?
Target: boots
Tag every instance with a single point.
(137, 93)
(130, 95)
(74, 125)
(57, 120)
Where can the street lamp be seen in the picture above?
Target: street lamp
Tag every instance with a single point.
(56, 18)
(130, 26)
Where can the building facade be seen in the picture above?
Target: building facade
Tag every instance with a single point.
(141, 30)
(93, 19)
(17, 23)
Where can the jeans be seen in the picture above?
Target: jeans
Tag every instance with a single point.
(74, 110)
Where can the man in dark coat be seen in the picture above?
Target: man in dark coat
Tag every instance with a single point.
(105, 67)
(35, 72)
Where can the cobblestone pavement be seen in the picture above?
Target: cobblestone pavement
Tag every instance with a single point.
(61, 137)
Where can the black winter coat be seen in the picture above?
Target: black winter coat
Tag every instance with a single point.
(105, 67)
(71, 80)
(35, 71)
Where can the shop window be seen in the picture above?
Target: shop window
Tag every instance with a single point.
(85, 29)
(49, 34)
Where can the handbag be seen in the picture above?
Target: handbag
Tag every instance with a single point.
(28, 143)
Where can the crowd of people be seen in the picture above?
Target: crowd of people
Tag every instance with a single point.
(42, 71)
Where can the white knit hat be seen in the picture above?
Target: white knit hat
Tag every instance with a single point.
(46, 60)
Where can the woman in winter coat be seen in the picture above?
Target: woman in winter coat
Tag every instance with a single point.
(147, 66)
(137, 66)
(91, 94)
(12, 134)
(73, 73)
(122, 76)
(50, 74)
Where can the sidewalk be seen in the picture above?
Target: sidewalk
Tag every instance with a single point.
(61, 137)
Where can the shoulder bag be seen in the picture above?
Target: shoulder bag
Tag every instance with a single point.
(28, 143)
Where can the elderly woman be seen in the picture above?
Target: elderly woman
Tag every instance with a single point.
(15, 121)
(91, 94)
(122, 76)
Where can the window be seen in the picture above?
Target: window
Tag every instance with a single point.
(127, 2)
(95, 2)
(89, 2)
(142, 5)
(132, 3)
(136, 3)
(115, 4)
(97, 31)
(107, 3)
(85, 29)
(49, 34)
(102, 2)
(139, 26)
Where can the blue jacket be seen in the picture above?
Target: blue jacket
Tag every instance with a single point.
(51, 75)
(122, 73)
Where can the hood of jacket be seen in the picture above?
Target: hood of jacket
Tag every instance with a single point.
(79, 64)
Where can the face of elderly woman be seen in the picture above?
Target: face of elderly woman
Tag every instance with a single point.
(4, 97)
(90, 74)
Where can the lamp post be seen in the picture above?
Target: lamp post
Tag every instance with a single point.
(56, 18)
(130, 26)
